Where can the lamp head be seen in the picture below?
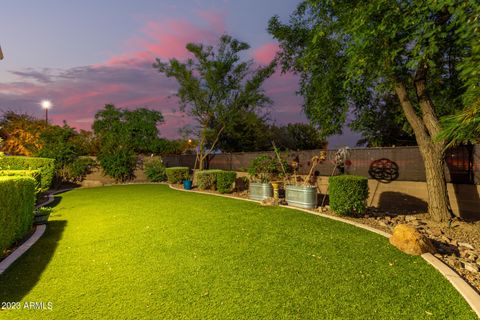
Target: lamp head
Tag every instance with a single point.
(46, 104)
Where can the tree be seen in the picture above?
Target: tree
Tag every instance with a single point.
(345, 50)
(296, 136)
(21, 133)
(122, 133)
(215, 87)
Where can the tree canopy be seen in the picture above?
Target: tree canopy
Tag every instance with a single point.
(216, 86)
(354, 54)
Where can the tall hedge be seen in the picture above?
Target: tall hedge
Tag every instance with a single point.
(348, 194)
(44, 165)
(226, 181)
(17, 200)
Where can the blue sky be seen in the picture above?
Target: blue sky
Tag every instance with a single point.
(84, 54)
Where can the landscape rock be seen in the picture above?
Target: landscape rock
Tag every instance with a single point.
(465, 245)
(472, 267)
(409, 240)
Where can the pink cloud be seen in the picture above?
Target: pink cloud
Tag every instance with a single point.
(265, 53)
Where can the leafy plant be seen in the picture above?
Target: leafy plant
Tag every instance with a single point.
(348, 194)
(155, 169)
(177, 174)
(207, 179)
(119, 165)
(43, 211)
(264, 168)
(77, 169)
(225, 181)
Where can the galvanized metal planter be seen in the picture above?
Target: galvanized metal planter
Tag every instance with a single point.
(260, 191)
(301, 196)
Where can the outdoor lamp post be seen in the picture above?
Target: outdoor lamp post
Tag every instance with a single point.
(46, 104)
(1, 54)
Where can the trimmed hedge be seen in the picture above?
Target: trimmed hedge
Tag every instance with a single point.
(177, 174)
(225, 181)
(35, 174)
(348, 194)
(44, 165)
(207, 179)
(17, 202)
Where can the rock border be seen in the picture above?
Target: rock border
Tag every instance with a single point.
(39, 231)
(465, 290)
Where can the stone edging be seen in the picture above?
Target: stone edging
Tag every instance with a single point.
(465, 290)
(39, 231)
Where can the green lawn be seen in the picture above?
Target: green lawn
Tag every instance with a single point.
(149, 252)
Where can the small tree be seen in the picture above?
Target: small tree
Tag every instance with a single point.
(215, 87)
(20, 133)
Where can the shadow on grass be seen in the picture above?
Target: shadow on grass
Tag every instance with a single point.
(24, 274)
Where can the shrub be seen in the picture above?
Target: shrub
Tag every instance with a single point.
(77, 169)
(155, 170)
(348, 194)
(119, 164)
(44, 165)
(265, 168)
(35, 174)
(206, 179)
(225, 181)
(177, 174)
(16, 209)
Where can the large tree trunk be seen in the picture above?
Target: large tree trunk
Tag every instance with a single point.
(425, 128)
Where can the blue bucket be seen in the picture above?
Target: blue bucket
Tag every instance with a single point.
(187, 184)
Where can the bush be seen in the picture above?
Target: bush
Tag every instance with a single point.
(118, 164)
(265, 168)
(207, 179)
(177, 174)
(77, 169)
(155, 170)
(35, 174)
(225, 181)
(44, 165)
(348, 194)
(16, 209)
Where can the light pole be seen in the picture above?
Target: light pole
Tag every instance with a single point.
(46, 104)
(1, 54)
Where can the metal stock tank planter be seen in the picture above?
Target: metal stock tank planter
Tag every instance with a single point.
(301, 196)
(260, 191)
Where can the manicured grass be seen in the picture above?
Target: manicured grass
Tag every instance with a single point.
(148, 252)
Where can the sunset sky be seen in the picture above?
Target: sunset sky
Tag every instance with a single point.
(84, 54)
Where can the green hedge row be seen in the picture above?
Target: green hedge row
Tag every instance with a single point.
(35, 174)
(44, 165)
(222, 181)
(177, 174)
(348, 194)
(17, 202)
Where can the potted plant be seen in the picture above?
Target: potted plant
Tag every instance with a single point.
(302, 194)
(261, 171)
(41, 215)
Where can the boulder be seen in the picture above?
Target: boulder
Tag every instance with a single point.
(91, 183)
(409, 240)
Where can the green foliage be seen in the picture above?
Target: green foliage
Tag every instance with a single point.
(122, 133)
(348, 194)
(463, 127)
(20, 133)
(350, 55)
(216, 87)
(44, 165)
(297, 136)
(177, 174)
(155, 169)
(76, 170)
(43, 211)
(225, 181)
(35, 174)
(206, 179)
(16, 209)
(264, 168)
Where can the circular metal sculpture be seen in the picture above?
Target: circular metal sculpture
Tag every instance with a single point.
(383, 170)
